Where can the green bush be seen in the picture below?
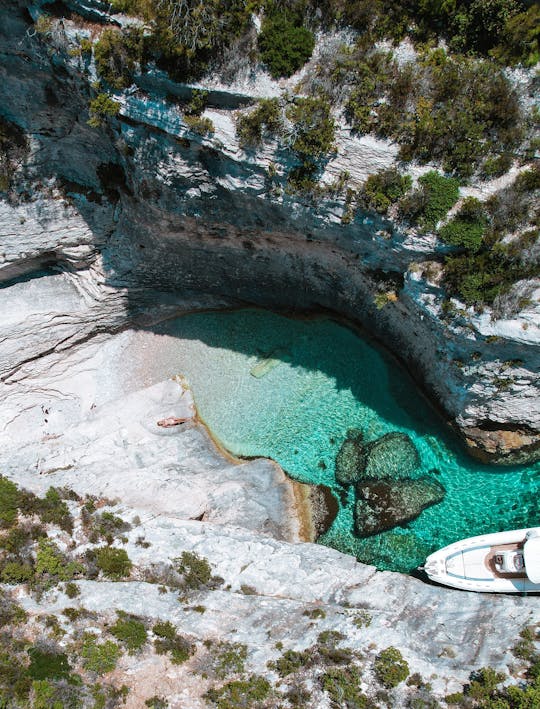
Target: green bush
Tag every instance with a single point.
(114, 563)
(53, 510)
(117, 55)
(343, 687)
(467, 228)
(383, 189)
(106, 526)
(164, 629)
(199, 124)
(240, 693)
(130, 632)
(264, 120)
(440, 193)
(225, 658)
(291, 661)
(52, 566)
(9, 502)
(285, 45)
(197, 103)
(102, 107)
(196, 570)
(520, 42)
(313, 128)
(390, 667)
(14, 572)
(47, 665)
(99, 657)
(169, 641)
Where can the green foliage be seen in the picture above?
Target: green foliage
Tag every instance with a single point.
(105, 526)
(383, 189)
(467, 228)
(156, 702)
(390, 667)
(372, 75)
(484, 682)
(343, 687)
(130, 632)
(99, 657)
(196, 570)
(114, 563)
(14, 572)
(520, 42)
(224, 659)
(197, 104)
(528, 180)
(187, 36)
(469, 111)
(47, 665)
(496, 166)
(10, 612)
(313, 127)
(117, 54)
(199, 124)
(264, 121)
(240, 693)
(291, 661)
(9, 502)
(285, 45)
(169, 641)
(102, 107)
(44, 696)
(52, 566)
(362, 619)
(303, 179)
(164, 630)
(438, 196)
(53, 510)
(458, 111)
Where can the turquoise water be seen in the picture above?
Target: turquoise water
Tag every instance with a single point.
(316, 379)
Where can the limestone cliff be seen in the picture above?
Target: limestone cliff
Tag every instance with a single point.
(145, 203)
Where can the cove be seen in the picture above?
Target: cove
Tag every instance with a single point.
(289, 389)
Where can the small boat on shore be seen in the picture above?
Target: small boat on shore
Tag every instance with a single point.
(504, 562)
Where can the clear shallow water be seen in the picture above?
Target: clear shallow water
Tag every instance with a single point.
(316, 379)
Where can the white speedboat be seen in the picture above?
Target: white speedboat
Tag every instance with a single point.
(504, 562)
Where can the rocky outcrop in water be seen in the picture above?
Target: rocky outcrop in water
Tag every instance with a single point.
(384, 504)
(392, 456)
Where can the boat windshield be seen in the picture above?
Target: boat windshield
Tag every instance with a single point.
(531, 553)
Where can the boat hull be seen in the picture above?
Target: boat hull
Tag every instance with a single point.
(469, 564)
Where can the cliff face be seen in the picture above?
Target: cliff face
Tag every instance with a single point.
(144, 205)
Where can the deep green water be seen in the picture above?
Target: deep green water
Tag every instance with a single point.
(323, 380)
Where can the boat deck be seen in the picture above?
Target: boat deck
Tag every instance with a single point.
(497, 551)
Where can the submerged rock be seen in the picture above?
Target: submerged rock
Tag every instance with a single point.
(351, 459)
(383, 504)
(391, 456)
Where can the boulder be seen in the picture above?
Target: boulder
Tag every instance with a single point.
(391, 456)
(350, 460)
(383, 504)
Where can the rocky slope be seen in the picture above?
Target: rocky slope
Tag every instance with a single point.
(112, 229)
